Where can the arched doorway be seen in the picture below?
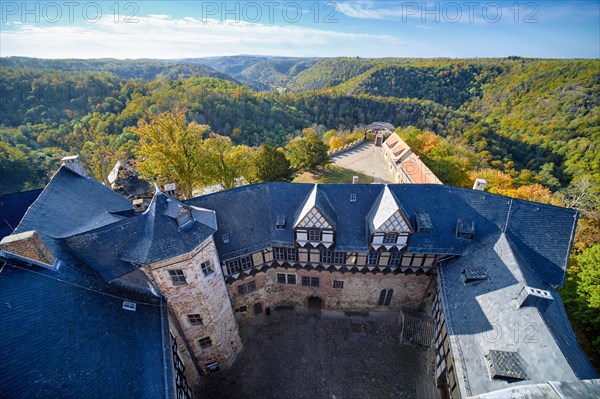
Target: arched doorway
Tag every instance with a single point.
(314, 303)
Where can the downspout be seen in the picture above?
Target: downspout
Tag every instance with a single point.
(165, 361)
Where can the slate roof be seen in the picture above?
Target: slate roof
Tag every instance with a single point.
(483, 317)
(248, 216)
(65, 335)
(12, 209)
(72, 204)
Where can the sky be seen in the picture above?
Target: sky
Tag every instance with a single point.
(192, 29)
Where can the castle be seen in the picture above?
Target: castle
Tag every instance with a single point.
(102, 300)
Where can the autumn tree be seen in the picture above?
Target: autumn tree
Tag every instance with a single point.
(307, 152)
(271, 164)
(225, 163)
(171, 149)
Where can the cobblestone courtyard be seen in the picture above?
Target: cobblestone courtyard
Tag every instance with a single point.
(296, 354)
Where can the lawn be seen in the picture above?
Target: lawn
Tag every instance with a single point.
(332, 175)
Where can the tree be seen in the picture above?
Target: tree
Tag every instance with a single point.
(225, 164)
(308, 152)
(171, 149)
(583, 193)
(271, 164)
(589, 285)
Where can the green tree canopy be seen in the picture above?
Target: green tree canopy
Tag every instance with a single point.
(271, 164)
(171, 149)
(308, 152)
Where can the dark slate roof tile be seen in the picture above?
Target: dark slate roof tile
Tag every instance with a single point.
(12, 209)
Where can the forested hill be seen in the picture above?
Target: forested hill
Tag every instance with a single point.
(126, 69)
(537, 120)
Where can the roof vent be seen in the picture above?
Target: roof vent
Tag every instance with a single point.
(129, 306)
(184, 217)
(474, 273)
(280, 223)
(423, 222)
(352, 197)
(72, 162)
(225, 238)
(465, 228)
(534, 297)
(505, 366)
(480, 184)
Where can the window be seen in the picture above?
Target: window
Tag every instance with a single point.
(314, 235)
(244, 289)
(225, 238)
(129, 306)
(385, 297)
(233, 266)
(280, 222)
(279, 253)
(339, 257)
(239, 264)
(395, 258)
(390, 238)
(326, 256)
(195, 319)
(183, 217)
(292, 254)
(352, 197)
(283, 278)
(338, 284)
(310, 281)
(205, 342)
(207, 268)
(285, 254)
(246, 262)
(373, 258)
(177, 277)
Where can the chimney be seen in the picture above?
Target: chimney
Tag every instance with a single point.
(171, 190)
(72, 162)
(480, 184)
(354, 179)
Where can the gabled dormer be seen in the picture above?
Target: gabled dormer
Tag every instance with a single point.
(315, 222)
(387, 223)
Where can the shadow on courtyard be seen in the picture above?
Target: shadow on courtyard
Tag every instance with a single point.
(298, 354)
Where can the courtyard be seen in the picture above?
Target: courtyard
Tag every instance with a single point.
(294, 353)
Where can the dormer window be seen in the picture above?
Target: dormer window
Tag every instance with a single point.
(280, 223)
(314, 235)
(183, 217)
(390, 238)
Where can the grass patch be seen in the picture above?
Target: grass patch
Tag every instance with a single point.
(333, 175)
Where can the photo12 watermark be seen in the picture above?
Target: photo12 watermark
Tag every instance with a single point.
(291, 12)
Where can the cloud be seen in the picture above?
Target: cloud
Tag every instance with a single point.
(162, 36)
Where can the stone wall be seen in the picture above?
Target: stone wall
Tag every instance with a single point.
(203, 295)
(360, 292)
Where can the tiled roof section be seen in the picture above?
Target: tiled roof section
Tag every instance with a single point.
(72, 204)
(65, 334)
(248, 215)
(12, 209)
(319, 200)
(417, 171)
(160, 236)
(531, 229)
(482, 316)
